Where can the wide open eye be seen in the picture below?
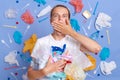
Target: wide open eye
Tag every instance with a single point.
(65, 16)
(55, 15)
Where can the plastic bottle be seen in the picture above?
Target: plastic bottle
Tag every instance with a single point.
(44, 11)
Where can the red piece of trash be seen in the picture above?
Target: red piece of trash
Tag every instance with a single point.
(27, 17)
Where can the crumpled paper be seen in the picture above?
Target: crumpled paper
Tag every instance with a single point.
(107, 67)
(103, 20)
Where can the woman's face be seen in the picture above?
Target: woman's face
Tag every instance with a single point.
(60, 14)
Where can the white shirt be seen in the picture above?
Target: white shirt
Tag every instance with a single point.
(43, 50)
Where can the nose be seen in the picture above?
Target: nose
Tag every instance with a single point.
(60, 18)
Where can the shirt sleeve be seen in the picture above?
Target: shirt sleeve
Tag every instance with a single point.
(35, 53)
(39, 55)
(34, 64)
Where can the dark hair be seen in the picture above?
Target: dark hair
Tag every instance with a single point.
(60, 6)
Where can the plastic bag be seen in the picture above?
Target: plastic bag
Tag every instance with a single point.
(75, 72)
(80, 59)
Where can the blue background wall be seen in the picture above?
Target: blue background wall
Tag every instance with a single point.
(110, 7)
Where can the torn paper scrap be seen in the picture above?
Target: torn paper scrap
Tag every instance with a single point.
(11, 58)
